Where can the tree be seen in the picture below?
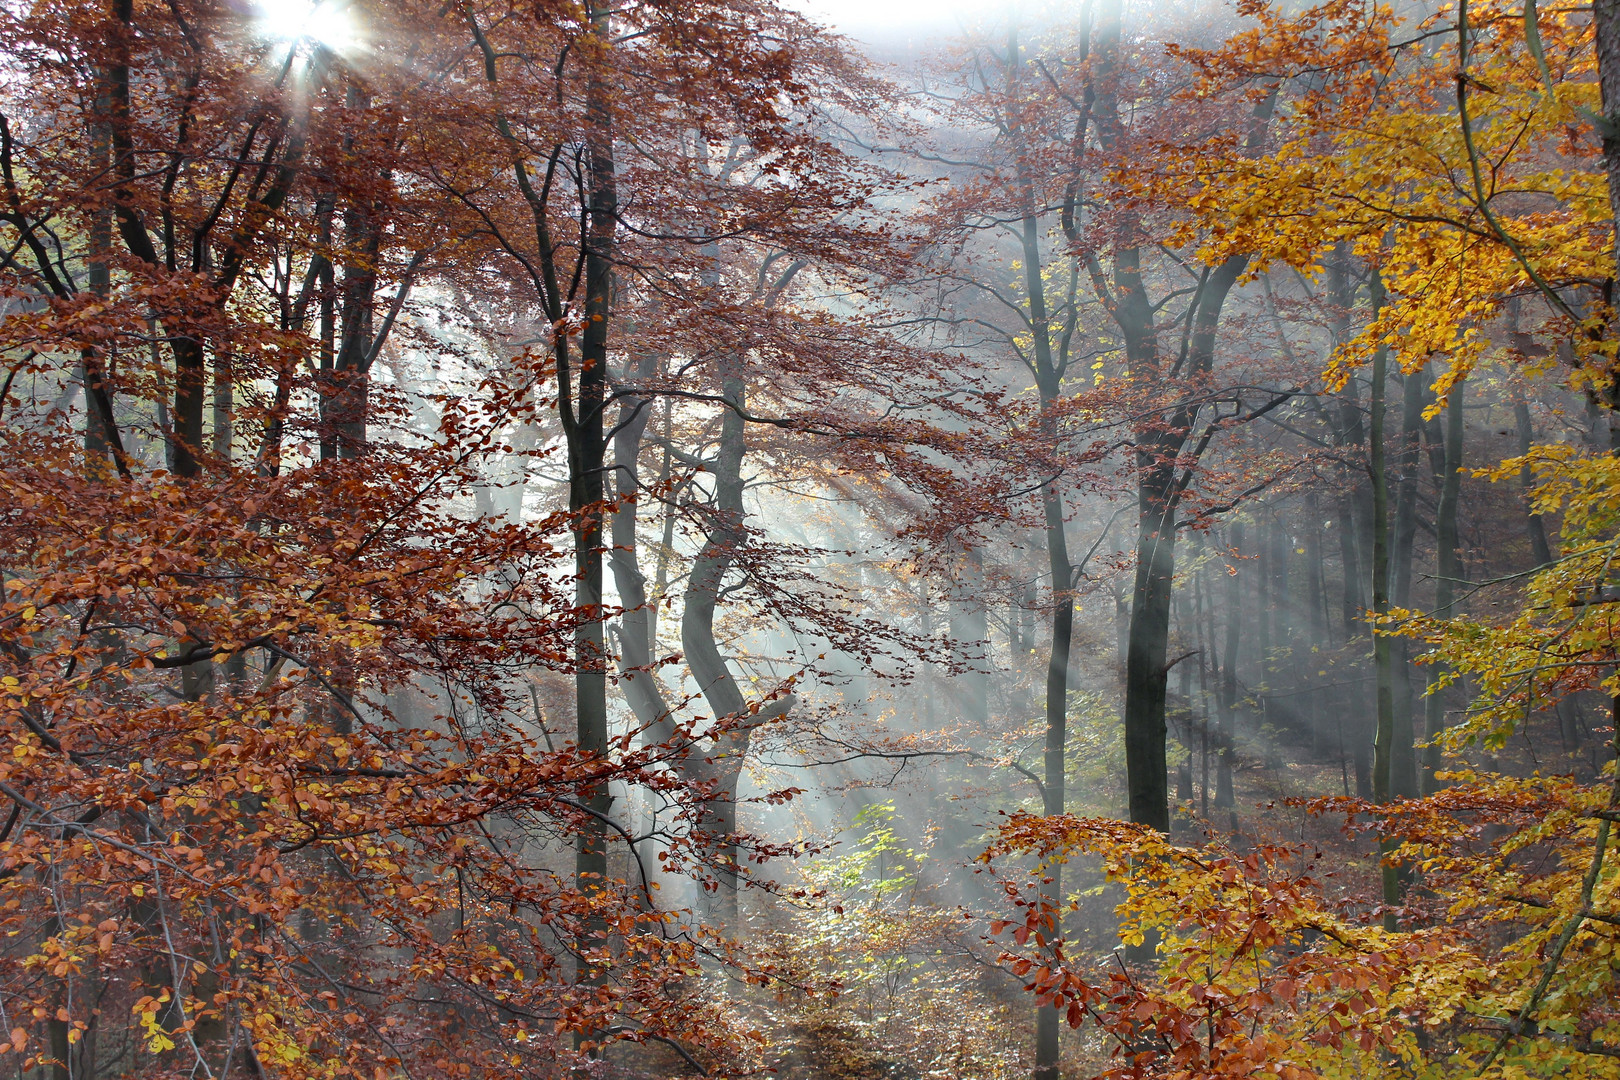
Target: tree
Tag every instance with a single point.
(376, 724)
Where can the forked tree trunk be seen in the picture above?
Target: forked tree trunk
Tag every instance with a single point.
(1158, 498)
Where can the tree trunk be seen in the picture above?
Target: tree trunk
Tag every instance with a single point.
(1569, 730)
(1535, 524)
(1404, 772)
(1384, 737)
(709, 668)
(1406, 464)
(1049, 386)
(1606, 29)
(1355, 525)
(1145, 674)
(1449, 570)
(1158, 494)
(636, 644)
(1224, 798)
(346, 400)
(1262, 610)
(586, 454)
(970, 631)
(98, 425)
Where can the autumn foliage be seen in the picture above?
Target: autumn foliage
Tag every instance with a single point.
(490, 493)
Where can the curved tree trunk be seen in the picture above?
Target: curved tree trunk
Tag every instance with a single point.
(725, 533)
(635, 631)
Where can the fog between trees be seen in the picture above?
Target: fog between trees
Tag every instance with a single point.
(654, 539)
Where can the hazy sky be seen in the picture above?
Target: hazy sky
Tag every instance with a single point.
(889, 19)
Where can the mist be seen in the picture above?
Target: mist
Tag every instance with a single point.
(821, 540)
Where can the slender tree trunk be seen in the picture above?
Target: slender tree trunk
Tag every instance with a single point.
(1122, 630)
(1313, 569)
(1355, 526)
(970, 630)
(666, 545)
(224, 404)
(1203, 628)
(1049, 386)
(586, 453)
(709, 668)
(1606, 29)
(1403, 764)
(1224, 798)
(344, 402)
(1406, 464)
(1323, 735)
(636, 646)
(1026, 617)
(1283, 615)
(1262, 608)
(1158, 455)
(97, 398)
(1145, 673)
(1569, 730)
(1449, 570)
(1384, 737)
(1047, 1020)
(1535, 524)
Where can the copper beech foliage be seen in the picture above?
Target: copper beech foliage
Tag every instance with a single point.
(289, 791)
(259, 869)
(289, 783)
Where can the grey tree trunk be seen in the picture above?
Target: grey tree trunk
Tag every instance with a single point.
(1404, 772)
(1535, 525)
(1449, 570)
(1224, 797)
(724, 534)
(1569, 729)
(345, 401)
(98, 422)
(1048, 372)
(709, 668)
(1384, 733)
(969, 621)
(635, 631)
(1158, 495)
(1354, 528)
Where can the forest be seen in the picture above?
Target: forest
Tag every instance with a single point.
(631, 539)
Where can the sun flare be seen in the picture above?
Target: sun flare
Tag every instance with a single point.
(325, 22)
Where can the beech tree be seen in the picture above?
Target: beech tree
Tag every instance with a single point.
(533, 537)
